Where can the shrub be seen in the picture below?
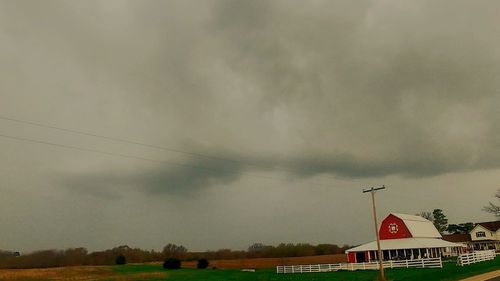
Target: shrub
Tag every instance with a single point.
(121, 259)
(202, 263)
(172, 263)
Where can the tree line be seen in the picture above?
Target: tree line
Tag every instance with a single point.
(438, 218)
(126, 254)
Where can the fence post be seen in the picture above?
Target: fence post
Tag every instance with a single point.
(423, 263)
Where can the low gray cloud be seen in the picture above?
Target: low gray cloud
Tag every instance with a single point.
(188, 179)
(341, 88)
(184, 179)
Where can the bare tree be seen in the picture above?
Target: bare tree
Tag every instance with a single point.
(174, 251)
(492, 208)
(426, 215)
(437, 218)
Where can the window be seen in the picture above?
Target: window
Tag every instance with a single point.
(480, 234)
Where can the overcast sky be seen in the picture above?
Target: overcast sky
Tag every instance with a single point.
(287, 109)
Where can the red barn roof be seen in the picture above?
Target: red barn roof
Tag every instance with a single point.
(490, 225)
(398, 226)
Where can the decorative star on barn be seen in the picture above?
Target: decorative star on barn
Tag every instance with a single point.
(393, 228)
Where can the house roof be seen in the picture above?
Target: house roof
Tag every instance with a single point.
(490, 225)
(418, 226)
(405, 243)
(457, 237)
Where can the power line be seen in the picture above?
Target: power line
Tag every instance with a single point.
(113, 138)
(144, 158)
(206, 156)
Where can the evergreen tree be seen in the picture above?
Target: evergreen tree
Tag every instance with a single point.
(440, 220)
(461, 228)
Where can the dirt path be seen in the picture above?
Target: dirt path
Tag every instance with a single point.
(490, 276)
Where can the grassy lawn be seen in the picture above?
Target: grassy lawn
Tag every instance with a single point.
(448, 273)
(148, 272)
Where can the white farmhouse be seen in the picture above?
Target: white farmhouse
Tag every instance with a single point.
(486, 236)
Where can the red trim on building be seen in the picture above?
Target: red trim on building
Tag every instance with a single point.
(351, 257)
(393, 227)
(367, 256)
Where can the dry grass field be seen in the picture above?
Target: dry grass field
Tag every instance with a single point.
(110, 273)
(77, 273)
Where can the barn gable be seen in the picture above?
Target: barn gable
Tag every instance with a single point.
(393, 227)
(407, 226)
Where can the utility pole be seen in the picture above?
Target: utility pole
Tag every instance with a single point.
(380, 257)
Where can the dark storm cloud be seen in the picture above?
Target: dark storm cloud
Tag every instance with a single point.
(182, 180)
(187, 180)
(405, 95)
(361, 90)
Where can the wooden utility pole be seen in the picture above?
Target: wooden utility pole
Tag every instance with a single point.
(380, 257)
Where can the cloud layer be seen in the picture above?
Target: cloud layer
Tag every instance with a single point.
(351, 89)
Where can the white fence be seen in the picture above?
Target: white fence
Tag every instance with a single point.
(416, 263)
(475, 257)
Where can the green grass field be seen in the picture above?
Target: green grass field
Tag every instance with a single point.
(448, 273)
